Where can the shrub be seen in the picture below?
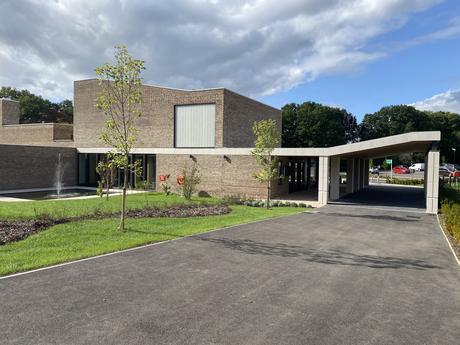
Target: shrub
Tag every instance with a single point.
(166, 186)
(234, 200)
(302, 204)
(191, 180)
(407, 182)
(451, 213)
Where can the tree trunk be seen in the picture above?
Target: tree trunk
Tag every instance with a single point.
(268, 194)
(123, 199)
(107, 181)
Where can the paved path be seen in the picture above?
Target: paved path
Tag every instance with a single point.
(397, 197)
(342, 276)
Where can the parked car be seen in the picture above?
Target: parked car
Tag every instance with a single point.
(417, 167)
(374, 170)
(453, 169)
(444, 172)
(401, 169)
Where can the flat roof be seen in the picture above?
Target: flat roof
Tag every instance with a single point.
(391, 145)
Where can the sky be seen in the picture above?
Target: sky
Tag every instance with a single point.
(355, 54)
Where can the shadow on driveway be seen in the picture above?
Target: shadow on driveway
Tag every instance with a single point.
(328, 256)
(407, 218)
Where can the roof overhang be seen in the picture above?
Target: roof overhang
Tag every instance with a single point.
(396, 144)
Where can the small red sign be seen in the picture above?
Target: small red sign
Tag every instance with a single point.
(180, 180)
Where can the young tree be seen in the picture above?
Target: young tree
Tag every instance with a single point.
(267, 138)
(106, 169)
(120, 100)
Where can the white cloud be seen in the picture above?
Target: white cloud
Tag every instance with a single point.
(447, 101)
(255, 47)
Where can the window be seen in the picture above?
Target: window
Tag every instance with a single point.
(195, 125)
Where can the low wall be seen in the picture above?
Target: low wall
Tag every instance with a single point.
(37, 134)
(25, 167)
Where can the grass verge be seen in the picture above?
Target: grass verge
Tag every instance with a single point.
(82, 239)
(450, 214)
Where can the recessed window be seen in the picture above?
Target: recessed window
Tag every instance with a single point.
(195, 125)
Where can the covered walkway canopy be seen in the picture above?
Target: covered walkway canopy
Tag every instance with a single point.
(358, 154)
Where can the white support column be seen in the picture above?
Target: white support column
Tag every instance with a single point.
(366, 173)
(356, 173)
(335, 178)
(323, 180)
(432, 182)
(425, 176)
(350, 176)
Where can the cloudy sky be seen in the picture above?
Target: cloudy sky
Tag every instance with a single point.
(357, 54)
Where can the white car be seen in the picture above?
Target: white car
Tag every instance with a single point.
(417, 167)
(374, 170)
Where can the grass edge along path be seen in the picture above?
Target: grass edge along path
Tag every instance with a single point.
(82, 239)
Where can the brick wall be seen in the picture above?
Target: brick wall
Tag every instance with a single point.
(220, 176)
(155, 126)
(34, 166)
(240, 113)
(41, 134)
(235, 115)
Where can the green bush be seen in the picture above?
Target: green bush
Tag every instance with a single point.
(407, 182)
(451, 213)
(302, 204)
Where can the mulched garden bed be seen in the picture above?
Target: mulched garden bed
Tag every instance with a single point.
(180, 211)
(15, 230)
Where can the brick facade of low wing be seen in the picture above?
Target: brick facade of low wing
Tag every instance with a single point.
(220, 175)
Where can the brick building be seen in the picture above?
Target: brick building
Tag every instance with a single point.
(211, 127)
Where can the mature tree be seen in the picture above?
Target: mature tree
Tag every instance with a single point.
(35, 109)
(393, 120)
(449, 125)
(400, 119)
(120, 100)
(315, 125)
(267, 138)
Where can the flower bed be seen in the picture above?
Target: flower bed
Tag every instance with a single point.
(15, 230)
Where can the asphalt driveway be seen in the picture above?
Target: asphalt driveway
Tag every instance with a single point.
(344, 275)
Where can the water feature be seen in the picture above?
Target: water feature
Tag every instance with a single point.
(58, 176)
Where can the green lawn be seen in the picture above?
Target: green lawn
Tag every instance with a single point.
(81, 207)
(76, 240)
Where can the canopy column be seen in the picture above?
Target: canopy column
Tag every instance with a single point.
(335, 178)
(323, 180)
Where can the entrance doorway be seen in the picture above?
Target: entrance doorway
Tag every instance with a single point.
(302, 173)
